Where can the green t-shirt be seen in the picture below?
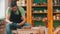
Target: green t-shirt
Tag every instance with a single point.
(8, 11)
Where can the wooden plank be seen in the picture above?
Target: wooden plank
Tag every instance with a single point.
(50, 16)
(29, 11)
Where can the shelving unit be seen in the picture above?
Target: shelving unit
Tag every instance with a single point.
(30, 13)
(56, 7)
(35, 8)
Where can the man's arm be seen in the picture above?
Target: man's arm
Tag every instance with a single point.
(7, 18)
(23, 22)
(23, 16)
(8, 15)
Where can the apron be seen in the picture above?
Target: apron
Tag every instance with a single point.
(15, 18)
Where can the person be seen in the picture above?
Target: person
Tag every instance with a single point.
(15, 17)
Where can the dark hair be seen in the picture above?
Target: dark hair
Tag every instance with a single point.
(14, 0)
(13, 4)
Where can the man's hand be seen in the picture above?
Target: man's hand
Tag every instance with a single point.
(8, 21)
(23, 22)
(20, 24)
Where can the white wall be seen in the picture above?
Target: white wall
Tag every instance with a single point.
(2, 9)
(6, 4)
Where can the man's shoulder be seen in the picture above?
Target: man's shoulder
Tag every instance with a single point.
(8, 11)
(20, 7)
(9, 8)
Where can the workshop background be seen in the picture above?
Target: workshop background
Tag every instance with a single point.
(43, 15)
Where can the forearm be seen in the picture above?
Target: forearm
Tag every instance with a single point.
(21, 23)
(8, 21)
(7, 18)
(23, 18)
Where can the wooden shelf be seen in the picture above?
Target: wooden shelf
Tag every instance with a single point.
(56, 20)
(56, 5)
(39, 13)
(39, 5)
(41, 20)
(45, 12)
(42, 6)
(56, 12)
(36, 20)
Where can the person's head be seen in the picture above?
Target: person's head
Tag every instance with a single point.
(13, 6)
